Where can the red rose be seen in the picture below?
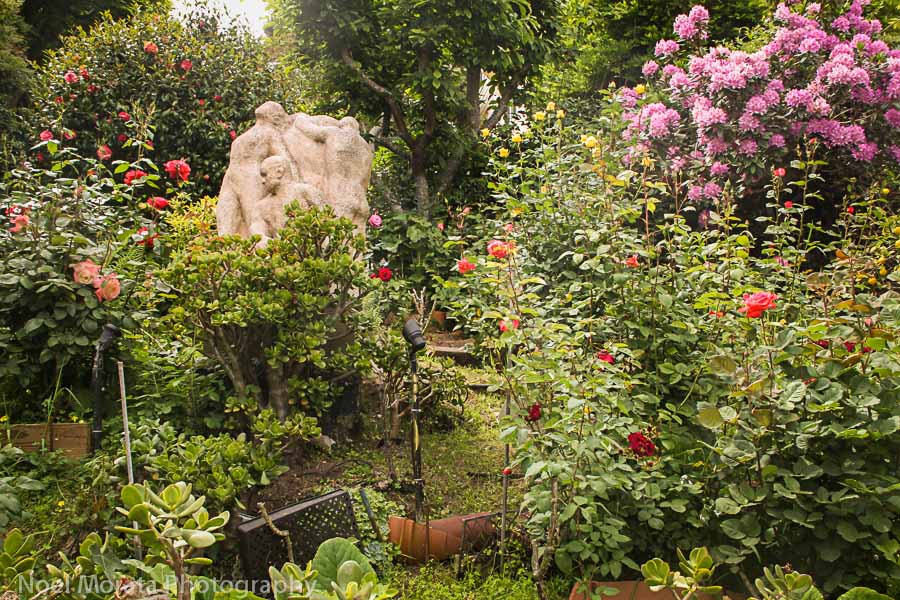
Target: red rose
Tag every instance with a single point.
(186, 65)
(632, 261)
(606, 357)
(232, 134)
(514, 323)
(92, 89)
(150, 48)
(178, 169)
(122, 138)
(779, 172)
(124, 115)
(788, 204)
(851, 210)
(104, 152)
(822, 343)
(68, 134)
(46, 135)
(498, 249)
(850, 346)
(157, 202)
(640, 444)
(59, 100)
(534, 412)
(464, 266)
(756, 304)
(84, 73)
(385, 274)
(201, 101)
(133, 174)
(217, 98)
(70, 77)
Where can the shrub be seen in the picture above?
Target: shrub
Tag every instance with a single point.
(279, 319)
(197, 81)
(721, 120)
(657, 388)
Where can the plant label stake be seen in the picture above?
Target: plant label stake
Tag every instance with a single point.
(121, 369)
(412, 333)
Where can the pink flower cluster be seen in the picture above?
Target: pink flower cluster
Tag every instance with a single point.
(831, 80)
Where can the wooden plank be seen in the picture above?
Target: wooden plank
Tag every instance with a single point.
(73, 439)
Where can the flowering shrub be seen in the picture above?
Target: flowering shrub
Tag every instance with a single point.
(718, 120)
(670, 388)
(196, 81)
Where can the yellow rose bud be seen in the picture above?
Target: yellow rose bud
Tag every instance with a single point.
(885, 191)
(540, 115)
(590, 141)
(560, 114)
(516, 138)
(485, 132)
(640, 89)
(551, 106)
(882, 271)
(873, 281)
(896, 230)
(504, 152)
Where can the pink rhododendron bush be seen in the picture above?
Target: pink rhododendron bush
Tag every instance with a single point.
(676, 386)
(716, 120)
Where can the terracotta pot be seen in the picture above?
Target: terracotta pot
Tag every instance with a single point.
(636, 590)
(410, 536)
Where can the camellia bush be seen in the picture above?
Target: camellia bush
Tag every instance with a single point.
(676, 385)
(711, 118)
(196, 81)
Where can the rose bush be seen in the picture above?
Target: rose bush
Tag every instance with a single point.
(673, 387)
(197, 81)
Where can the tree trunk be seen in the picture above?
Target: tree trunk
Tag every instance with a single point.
(276, 380)
(420, 178)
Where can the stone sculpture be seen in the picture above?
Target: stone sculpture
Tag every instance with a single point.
(316, 160)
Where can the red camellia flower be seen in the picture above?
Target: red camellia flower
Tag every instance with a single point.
(851, 210)
(157, 202)
(178, 169)
(640, 444)
(464, 266)
(104, 152)
(68, 134)
(84, 73)
(70, 77)
(133, 174)
(788, 204)
(232, 134)
(606, 357)
(122, 138)
(385, 274)
(217, 98)
(756, 304)
(498, 249)
(107, 287)
(59, 100)
(201, 101)
(534, 412)
(92, 89)
(514, 323)
(822, 343)
(124, 115)
(632, 261)
(46, 135)
(186, 65)
(150, 48)
(779, 172)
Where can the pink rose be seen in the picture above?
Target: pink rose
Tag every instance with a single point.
(498, 249)
(464, 266)
(20, 222)
(375, 220)
(104, 152)
(46, 135)
(70, 77)
(178, 169)
(107, 287)
(85, 272)
(756, 304)
(186, 65)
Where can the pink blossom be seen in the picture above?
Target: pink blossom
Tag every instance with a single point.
(107, 287)
(85, 271)
(718, 168)
(46, 135)
(777, 141)
(650, 68)
(70, 77)
(375, 220)
(666, 47)
(892, 116)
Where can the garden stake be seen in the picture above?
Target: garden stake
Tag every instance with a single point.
(505, 500)
(120, 367)
(107, 337)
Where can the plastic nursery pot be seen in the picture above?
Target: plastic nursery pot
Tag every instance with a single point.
(635, 590)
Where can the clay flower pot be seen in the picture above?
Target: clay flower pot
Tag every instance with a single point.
(444, 537)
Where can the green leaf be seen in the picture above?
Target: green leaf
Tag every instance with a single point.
(710, 417)
(331, 555)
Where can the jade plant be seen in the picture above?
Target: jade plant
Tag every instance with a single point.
(17, 559)
(173, 526)
(777, 583)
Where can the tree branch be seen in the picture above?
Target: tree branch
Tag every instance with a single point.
(392, 146)
(382, 91)
(505, 97)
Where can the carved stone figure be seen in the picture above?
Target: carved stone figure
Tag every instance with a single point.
(316, 160)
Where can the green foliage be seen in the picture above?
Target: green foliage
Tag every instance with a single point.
(96, 562)
(195, 106)
(601, 42)
(14, 72)
(13, 485)
(331, 557)
(17, 558)
(172, 526)
(71, 211)
(645, 401)
(280, 318)
(417, 68)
